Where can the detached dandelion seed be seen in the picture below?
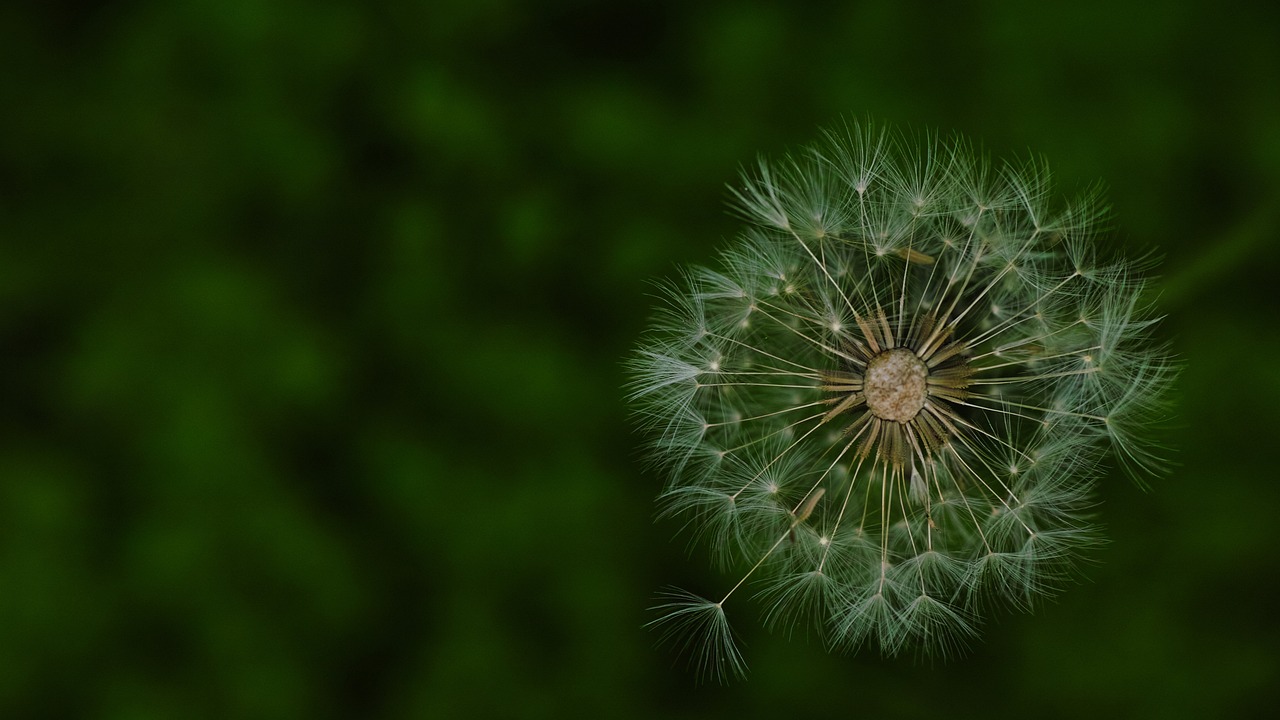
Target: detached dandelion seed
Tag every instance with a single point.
(889, 405)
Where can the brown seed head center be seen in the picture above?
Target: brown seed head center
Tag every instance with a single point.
(895, 385)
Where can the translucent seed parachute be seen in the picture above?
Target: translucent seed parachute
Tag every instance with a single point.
(889, 402)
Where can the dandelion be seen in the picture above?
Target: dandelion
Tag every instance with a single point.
(888, 406)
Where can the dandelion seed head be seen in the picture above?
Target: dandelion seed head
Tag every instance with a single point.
(887, 407)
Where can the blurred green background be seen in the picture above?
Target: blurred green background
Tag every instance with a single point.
(312, 316)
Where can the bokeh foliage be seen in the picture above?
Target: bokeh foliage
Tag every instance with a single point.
(311, 318)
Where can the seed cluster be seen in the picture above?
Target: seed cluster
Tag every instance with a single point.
(890, 402)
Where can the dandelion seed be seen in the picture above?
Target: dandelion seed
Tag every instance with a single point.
(698, 627)
(891, 403)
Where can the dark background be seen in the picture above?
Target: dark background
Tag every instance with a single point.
(312, 317)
